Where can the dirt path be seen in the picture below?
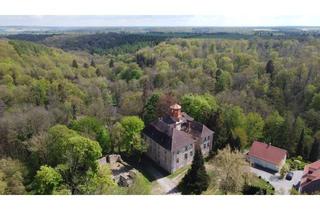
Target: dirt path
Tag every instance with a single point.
(162, 185)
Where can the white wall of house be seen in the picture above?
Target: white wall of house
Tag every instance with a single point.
(206, 145)
(266, 164)
(159, 154)
(182, 157)
(171, 161)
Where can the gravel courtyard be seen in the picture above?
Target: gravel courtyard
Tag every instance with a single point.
(281, 186)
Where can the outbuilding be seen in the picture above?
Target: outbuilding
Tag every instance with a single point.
(266, 156)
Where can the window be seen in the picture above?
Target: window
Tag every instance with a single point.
(186, 156)
(191, 153)
(177, 160)
(186, 148)
(204, 145)
(178, 152)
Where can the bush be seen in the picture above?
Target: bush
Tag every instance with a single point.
(254, 190)
(296, 163)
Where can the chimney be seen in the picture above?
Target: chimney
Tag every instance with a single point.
(175, 111)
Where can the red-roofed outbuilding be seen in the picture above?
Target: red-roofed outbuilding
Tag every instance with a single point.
(310, 181)
(267, 156)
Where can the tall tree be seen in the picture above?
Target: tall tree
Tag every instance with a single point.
(196, 180)
(150, 109)
(117, 137)
(270, 68)
(111, 63)
(133, 126)
(254, 128)
(46, 181)
(93, 64)
(2, 107)
(94, 129)
(201, 107)
(231, 170)
(74, 64)
(300, 145)
(315, 150)
(74, 156)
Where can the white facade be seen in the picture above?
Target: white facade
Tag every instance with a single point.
(171, 161)
(265, 164)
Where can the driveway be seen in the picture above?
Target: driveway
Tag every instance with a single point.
(281, 186)
(161, 184)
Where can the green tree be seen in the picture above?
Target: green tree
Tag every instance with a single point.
(270, 68)
(315, 103)
(254, 128)
(284, 170)
(12, 173)
(111, 63)
(232, 170)
(300, 145)
(93, 64)
(200, 107)
(223, 79)
(234, 117)
(133, 126)
(239, 138)
(74, 64)
(46, 181)
(93, 128)
(3, 184)
(117, 137)
(39, 91)
(274, 128)
(150, 109)
(100, 183)
(315, 150)
(196, 180)
(222, 133)
(73, 156)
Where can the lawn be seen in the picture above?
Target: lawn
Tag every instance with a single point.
(178, 172)
(262, 184)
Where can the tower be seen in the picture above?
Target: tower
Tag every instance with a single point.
(175, 111)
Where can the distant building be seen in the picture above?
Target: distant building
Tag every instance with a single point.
(171, 140)
(267, 156)
(310, 181)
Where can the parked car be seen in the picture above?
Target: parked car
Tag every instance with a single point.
(289, 176)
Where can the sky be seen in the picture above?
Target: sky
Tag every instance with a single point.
(160, 13)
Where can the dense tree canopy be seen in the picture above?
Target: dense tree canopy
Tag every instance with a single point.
(63, 110)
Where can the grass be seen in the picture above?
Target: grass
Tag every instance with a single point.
(258, 182)
(141, 186)
(178, 172)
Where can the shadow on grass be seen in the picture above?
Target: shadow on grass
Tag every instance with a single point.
(147, 167)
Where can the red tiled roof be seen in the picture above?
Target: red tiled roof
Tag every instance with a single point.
(311, 173)
(267, 152)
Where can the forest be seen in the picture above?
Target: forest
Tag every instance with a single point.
(66, 100)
